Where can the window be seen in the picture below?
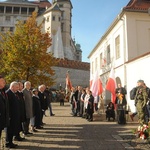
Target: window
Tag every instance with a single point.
(2, 28)
(7, 18)
(8, 10)
(96, 64)
(11, 29)
(101, 60)
(1, 9)
(108, 55)
(53, 18)
(117, 46)
(23, 10)
(16, 10)
(62, 27)
(47, 19)
(61, 5)
(31, 10)
(59, 19)
(92, 67)
(62, 14)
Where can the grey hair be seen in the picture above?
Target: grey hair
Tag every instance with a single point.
(13, 84)
(27, 82)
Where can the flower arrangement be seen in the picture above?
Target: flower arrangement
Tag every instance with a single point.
(143, 132)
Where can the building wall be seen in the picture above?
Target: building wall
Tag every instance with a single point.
(136, 70)
(77, 77)
(138, 34)
(134, 31)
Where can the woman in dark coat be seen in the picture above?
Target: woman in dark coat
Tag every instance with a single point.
(36, 109)
(90, 107)
(110, 113)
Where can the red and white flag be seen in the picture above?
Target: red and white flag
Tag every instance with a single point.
(96, 86)
(111, 85)
(68, 82)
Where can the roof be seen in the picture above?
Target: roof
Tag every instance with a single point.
(42, 4)
(138, 5)
(53, 8)
(73, 64)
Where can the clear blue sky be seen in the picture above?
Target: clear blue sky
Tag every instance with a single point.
(90, 20)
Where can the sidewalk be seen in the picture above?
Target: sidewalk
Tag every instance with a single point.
(64, 132)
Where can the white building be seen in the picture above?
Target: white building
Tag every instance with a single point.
(126, 47)
(58, 21)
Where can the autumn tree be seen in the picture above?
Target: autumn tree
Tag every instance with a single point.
(24, 53)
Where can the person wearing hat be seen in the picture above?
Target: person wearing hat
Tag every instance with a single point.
(141, 99)
(133, 94)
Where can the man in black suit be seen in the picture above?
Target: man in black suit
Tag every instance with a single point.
(43, 101)
(14, 112)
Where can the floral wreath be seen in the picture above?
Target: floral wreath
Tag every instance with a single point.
(143, 132)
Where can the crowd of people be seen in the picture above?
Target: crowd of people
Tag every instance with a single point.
(82, 102)
(22, 109)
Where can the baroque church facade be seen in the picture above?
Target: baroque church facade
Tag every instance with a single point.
(57, 20)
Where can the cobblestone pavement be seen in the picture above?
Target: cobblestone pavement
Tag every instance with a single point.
(64, 132)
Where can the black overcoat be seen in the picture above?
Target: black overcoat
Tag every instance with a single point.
(14, 112)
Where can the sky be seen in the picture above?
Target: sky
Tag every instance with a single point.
(91, 19)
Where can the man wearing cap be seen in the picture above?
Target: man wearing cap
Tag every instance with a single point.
(134, 90)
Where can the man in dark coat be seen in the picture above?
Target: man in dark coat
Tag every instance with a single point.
(22, 111)
(2, 105)
(43, 101)
(14, 112)
(28, 105)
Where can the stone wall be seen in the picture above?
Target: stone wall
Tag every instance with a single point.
(77, 77)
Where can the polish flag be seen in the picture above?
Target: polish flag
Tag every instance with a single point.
(68, 82)
(111, 85)
(96, 86)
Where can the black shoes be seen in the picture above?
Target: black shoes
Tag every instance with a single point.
(19, 139)
(52, 115)
(39, 127)
(34, 130)
(28, 133)
(11, 145)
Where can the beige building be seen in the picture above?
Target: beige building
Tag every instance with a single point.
(57, 20)
(126, 47)
(13, 10)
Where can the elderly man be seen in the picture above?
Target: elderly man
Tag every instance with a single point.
(28, 106)
(14, 111)
(43, 100)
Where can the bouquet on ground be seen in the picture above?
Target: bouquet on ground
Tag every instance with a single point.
(143, 131)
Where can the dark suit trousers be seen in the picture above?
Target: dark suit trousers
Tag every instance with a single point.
(9, 135)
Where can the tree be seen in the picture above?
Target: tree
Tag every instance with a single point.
(24, 53)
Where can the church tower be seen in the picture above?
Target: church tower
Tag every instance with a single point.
(66, 16)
